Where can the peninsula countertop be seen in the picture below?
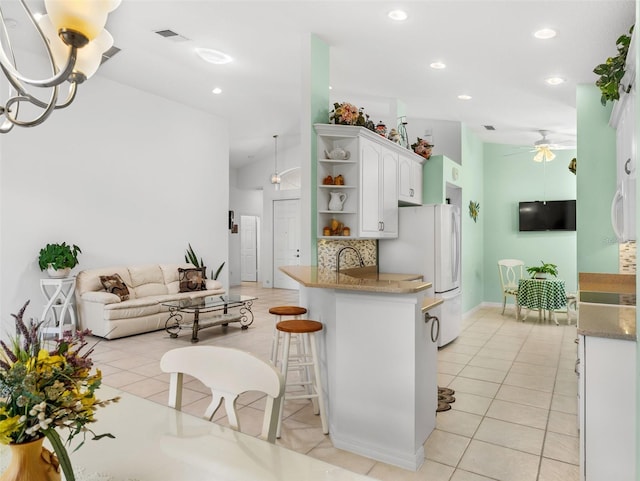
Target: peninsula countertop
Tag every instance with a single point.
(365, 279)
(607, 305)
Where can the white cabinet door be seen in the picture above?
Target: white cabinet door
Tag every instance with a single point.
(389, 194)
(609, 403)
(370, 159)
(378, 190)
(409, 181)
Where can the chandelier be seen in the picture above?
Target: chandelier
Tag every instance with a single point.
(275, 177)
(74, 37)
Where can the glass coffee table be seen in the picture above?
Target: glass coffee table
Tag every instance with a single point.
(228, 308)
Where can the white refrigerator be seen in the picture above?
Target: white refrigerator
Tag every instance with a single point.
(428, 243)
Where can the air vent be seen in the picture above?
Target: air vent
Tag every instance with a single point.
(109, 54)
(489, 127)
(171, 35)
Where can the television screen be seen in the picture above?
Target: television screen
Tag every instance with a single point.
(549, 215)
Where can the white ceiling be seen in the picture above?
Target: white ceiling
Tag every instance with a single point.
(488, 47)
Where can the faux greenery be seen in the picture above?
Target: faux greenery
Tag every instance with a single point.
(192, 258)
(612, 71)
(59, 256)
(545, 268)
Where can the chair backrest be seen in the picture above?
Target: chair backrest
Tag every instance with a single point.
(511, 271)
(228, 373)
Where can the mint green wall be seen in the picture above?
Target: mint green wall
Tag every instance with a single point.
(438, 172)
(509, 179)
(597, 245)
(473, 277)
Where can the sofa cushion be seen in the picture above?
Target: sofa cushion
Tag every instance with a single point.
(193, 279)
(131, 308)
(171, 275)
(89, 280)
(114, 284)
(147, 280)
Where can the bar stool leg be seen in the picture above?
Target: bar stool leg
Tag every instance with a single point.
(318, 383)
(285, 372)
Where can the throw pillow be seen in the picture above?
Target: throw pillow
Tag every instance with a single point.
(192, 279)
(115, 285)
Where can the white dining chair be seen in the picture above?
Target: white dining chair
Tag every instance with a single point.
(228, 373)
(511, 271)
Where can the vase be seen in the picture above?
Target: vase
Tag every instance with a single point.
(31, 462)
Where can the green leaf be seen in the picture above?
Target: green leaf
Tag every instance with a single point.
(61, 452)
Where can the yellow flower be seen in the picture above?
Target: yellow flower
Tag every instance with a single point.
(7, 428)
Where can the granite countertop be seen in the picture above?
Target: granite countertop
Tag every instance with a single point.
(607, 306)
(365, 279)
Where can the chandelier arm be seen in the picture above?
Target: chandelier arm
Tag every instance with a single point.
(73, 88)
(28, 98)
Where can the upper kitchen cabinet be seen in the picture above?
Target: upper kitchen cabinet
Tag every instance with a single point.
(410, 179)
(440, 174)
(367, 166)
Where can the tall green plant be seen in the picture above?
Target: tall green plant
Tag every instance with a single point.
(191, 257)
(612, 71)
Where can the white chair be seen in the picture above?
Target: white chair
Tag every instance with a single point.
(511, 271)
(228, 373)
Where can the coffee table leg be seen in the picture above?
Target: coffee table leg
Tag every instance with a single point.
(196, 321)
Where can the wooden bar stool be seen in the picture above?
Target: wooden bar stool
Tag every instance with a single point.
(306, 330)
(279, 312)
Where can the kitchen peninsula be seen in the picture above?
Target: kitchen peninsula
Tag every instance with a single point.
(378, 358)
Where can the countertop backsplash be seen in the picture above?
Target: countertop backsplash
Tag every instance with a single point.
(627, 257)
(327, 250)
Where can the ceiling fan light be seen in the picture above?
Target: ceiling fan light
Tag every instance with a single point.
(86, 17)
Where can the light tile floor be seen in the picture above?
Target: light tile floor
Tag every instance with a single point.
(514, 418)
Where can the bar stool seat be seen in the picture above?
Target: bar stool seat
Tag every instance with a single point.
(279, 312)
(303, 361)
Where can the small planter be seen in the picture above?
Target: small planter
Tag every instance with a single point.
(58, 273)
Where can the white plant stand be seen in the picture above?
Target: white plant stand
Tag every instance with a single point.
(59, 307)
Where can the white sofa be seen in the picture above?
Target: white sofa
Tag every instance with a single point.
(106, 315)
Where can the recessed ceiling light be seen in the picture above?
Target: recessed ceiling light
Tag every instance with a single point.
(330, 87)
(555, 80)
(464, 97)
(213, 56)
(437, 65)
(398, 15)
(544, 33)
(217, 90)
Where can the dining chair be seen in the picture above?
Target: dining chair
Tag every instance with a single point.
(511, 271)
(228, 373)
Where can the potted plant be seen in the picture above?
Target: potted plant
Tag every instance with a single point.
(58, 259)
(612, 71)
(540, 272)
(191, 257)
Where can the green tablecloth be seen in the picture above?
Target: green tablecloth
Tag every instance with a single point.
(547, 294)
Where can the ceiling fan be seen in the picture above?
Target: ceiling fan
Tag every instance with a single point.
(544, 147)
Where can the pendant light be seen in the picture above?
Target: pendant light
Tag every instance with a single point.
(275, 177)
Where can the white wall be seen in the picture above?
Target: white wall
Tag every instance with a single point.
(130, 177)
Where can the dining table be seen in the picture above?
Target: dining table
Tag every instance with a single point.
(154, 442)
(545, 295)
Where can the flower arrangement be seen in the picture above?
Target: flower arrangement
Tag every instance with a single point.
(422, 148)
(345, 114)
(43, 390)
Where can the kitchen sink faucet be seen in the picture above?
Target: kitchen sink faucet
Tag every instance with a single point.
(344, 249)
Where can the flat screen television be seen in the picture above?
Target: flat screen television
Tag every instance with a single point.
(549, 215)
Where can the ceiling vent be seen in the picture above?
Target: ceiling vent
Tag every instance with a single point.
(109, 54)
(171, 35)
(489, 127)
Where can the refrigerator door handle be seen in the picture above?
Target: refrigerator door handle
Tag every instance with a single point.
(615, 221)
(456, 248)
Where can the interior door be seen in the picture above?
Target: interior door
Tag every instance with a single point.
(248, 248)
(286, 240)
